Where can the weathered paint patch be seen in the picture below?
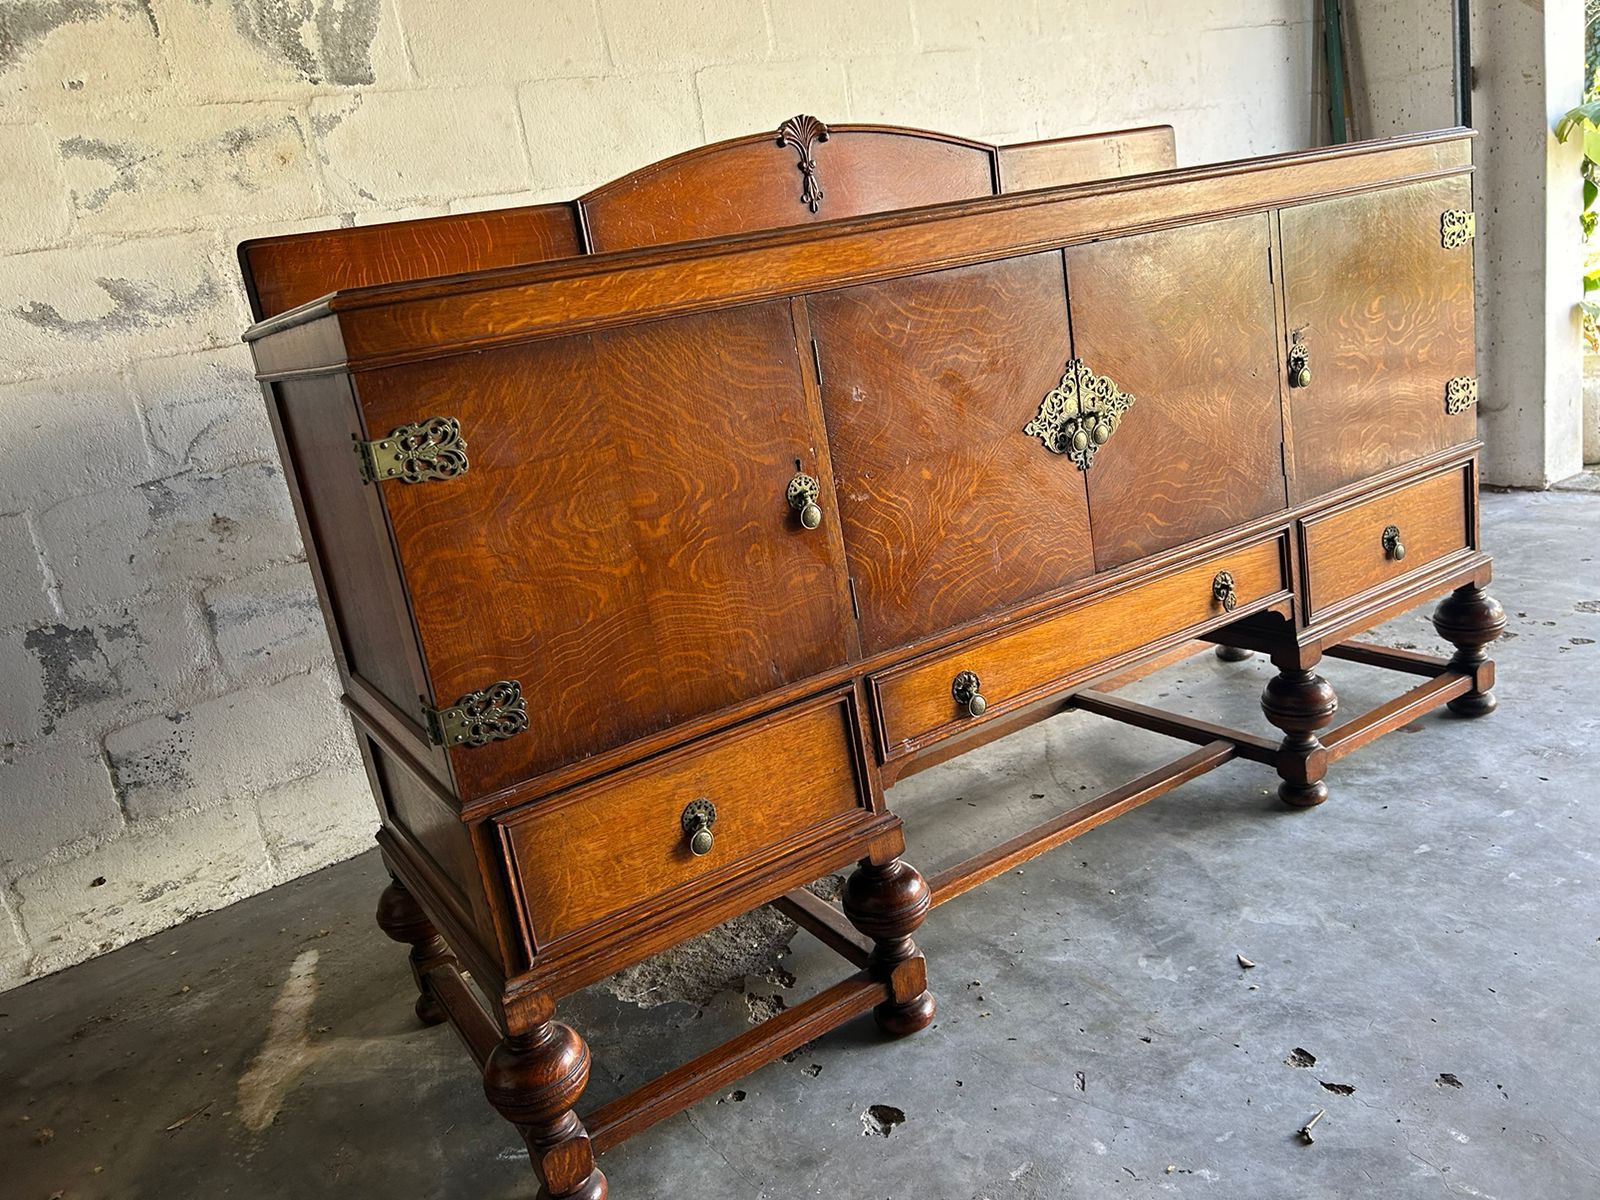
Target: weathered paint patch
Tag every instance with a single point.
(25, 22)
(287, 1050)
(74, 666)
(162, 765)
(134, 306)
(325, 41)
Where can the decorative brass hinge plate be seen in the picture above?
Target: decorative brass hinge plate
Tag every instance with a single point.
(1460, 394)
(478, 718)
(1457, 227)
(431, 449)
(804, 133)
(1079, 415)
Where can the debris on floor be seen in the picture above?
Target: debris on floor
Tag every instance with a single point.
(880, 1119)
(1299, 1057)
(1305, 1130)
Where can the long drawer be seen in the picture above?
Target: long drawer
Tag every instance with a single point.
(579, 857)
(922, 701)
(1365, 544)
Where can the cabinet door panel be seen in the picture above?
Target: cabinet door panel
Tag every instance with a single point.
(620, 542)
(1184, 320)
(949, 510)
(1387, 317)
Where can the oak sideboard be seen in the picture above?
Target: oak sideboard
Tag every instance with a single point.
(660, 533)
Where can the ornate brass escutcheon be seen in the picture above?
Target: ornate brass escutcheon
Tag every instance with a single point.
(1457, 227)
(1460, 394)
(802, 494)
(431, 449)
(478, 718)
(1079, 414)
(1393, 548)
(965, 687)
(1224, 592)
(699, 815)
(1299, 360)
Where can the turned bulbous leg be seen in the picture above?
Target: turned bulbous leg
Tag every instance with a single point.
(1300, 702)
(534, 1079)
(887, 903)
(402, 919)
(1469, 619)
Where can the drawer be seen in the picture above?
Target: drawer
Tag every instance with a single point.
(915, 703)
(776, 784)
(1348, 551)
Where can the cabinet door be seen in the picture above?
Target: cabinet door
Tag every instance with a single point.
(620, 543)
(1386, 314)
(1184, 321)
(949, 510)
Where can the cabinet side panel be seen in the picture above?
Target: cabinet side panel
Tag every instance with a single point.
(347, 538)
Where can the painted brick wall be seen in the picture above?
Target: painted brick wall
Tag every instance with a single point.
(170, 738)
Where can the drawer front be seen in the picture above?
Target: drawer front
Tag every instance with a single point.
(596, 851)
(1346, 549)
(916, 703)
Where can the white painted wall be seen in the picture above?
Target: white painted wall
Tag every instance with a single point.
(170, 739)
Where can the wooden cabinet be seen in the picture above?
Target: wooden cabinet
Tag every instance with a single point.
(947, 512)
(1184, 320)
(757, 480)
(621, 544)
(1385, 311)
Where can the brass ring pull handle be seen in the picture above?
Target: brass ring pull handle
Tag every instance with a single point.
(698, 818)
(1299, 361)
(802, 495)
(1393, 548)
(1224, 592)
(965, 688)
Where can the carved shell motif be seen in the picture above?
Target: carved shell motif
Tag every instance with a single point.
(1079, 414)
(803, 133)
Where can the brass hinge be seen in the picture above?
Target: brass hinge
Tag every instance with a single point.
(1457, 227)
(431, 449)
(478, 718)
(1460, 394)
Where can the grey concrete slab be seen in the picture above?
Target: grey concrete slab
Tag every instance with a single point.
(1430, 937)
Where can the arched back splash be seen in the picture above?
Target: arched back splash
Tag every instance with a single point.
(803, 172)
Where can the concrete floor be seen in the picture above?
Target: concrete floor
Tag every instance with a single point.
(1431, 937)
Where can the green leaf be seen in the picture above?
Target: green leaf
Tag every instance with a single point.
(1591, 281)
(1591, 144)
(1585, 114)
(1591, 192)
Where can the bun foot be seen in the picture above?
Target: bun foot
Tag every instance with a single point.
(1234, 653)
(1300, 702)
(887, 903)
(402, 918)
(1303, 795)
(901, 1020)
(1469, 619)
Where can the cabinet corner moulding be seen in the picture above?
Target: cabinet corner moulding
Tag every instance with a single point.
(431, 449)
(1079, 414)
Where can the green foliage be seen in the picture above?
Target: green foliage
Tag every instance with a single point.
(1585, 120)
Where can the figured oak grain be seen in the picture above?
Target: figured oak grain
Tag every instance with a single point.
(584, 855)
(1344, 548)
(949, 509)
(620, 543)
(1387, 315)
(1022, 663)
(1183, 319)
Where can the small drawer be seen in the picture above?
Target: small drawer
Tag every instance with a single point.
(922, 701)
(1362, 545)
(775, 784)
